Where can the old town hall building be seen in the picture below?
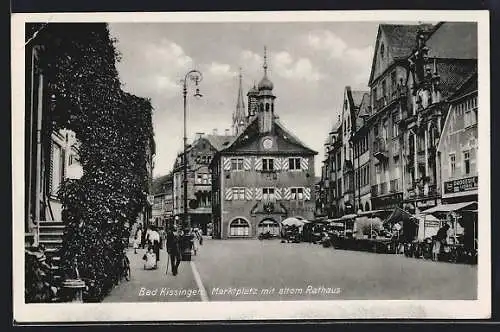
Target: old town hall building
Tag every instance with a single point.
(262, 175)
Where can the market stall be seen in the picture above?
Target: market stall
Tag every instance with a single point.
(461, 240)
(341, 231)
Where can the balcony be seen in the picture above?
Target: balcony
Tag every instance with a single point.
(374, 191)
(380, 149)
(394, 186)
(380, 103)
(383, 188)
(398, 93)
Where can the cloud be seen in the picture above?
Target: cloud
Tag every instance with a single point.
(356, 60)
(337, 48)
(221, 70)
(325, 40)
(302, 69)
(152, 67)
(284, 65)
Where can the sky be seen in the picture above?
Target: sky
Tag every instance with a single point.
(309, 63)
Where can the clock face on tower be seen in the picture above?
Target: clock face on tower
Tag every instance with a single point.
(267, 143)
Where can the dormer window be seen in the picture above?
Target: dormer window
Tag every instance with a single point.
(382, 49)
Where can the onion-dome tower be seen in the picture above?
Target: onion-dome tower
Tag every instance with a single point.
(265, 100)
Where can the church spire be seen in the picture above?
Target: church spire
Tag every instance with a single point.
(239, 116)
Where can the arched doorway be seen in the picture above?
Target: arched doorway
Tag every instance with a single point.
(269, 225)
(367, 206)
(239, 227)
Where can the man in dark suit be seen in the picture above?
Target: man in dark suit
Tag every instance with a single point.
(173, 249)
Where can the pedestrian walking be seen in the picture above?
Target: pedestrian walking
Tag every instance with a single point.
(199, 235)
(150, 259)
(174, 250)
(142, 236)
(154, 238)
(136, 243)
(439, 240)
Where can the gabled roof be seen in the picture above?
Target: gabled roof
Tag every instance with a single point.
(291, 137)
(357, 97)
(363, 111)
(219, 142)
(453, 73)
(453, 40)
(337, 125)
(401, 40)
(252, 130)
(467, 86)
(160, 182)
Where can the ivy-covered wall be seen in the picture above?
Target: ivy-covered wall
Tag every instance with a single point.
(114, 129)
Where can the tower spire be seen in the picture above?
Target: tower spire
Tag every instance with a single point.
(265, 61)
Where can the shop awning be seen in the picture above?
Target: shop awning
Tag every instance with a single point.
(367, 213)
(399, 215)
(451, 207)
(348, 216)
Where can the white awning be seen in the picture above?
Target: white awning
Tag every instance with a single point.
(449, 207)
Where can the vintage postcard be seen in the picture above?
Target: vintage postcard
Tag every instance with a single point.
(251, 166)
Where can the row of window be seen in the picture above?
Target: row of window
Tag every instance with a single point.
(385, 128)
(268, 164)
(241, 227)
(467, 109)
(204, 178)
(361, 147)
(362, 176)
(268, 193)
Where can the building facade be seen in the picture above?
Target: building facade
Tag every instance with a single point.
(362, 157)
(390, 101)
(199, 180)
(163, 201)
(263, 175)
(437, 69)
(51, 155)
(457, 149)
(394, 131)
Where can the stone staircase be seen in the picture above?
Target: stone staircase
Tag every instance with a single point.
(50, 235)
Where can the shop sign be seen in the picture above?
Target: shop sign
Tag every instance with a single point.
(431, 223)
(428, 203)
(461, 185)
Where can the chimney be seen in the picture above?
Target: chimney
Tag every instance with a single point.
(226, 132)
(214, 131)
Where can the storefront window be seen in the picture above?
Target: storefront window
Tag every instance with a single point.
(269, 225)
(239, 227)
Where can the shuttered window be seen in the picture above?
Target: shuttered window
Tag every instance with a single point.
(294, 164)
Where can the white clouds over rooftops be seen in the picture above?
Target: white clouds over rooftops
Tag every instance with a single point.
(283, 64)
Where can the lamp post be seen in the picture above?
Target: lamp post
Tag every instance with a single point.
(196, 77)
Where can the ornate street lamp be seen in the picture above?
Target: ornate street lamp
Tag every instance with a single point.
(196, 77)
